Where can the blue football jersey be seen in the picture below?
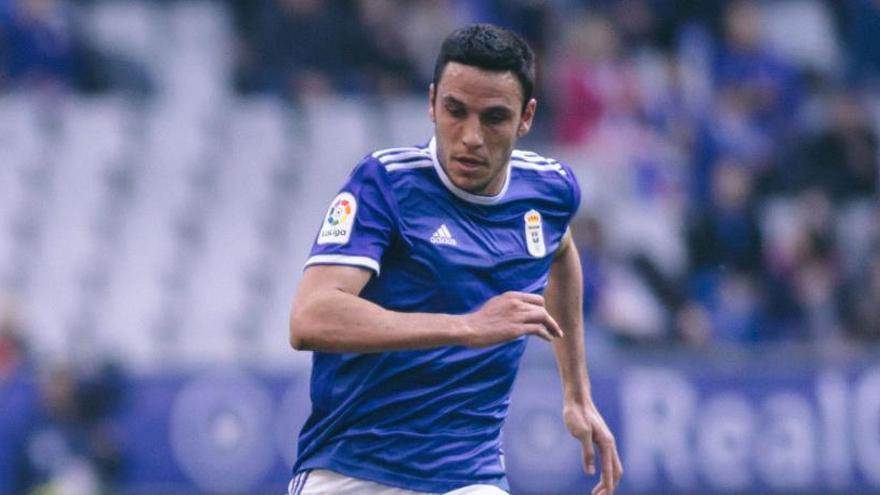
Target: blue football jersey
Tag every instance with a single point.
(430, 420)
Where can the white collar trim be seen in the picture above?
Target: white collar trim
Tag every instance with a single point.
(461, 193)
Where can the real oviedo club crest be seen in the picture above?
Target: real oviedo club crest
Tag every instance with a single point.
(339, 220)
(534, 234)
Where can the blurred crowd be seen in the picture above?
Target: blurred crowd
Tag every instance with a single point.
(64, 438)
(738, 139)
(749, 163)
(728, 151)
(46, 44)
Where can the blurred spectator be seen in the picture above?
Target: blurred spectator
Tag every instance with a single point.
(424, 25)
(301, 47)
(729, 130)
(639, 23)
(764, 84)
(69, 446)
(842, 160)
(863, 302)
(816, 290)
(533, 20)
(247, 76)
(727, 234)
(616, 295)
(858, 23)
(675, 110)
(588, 235)
(805, 276)
(390, 65)
(677, 17)
(42, 46)
(596, 83)
(39, 48)
(726, 254)
(12, 348)
(756, 100)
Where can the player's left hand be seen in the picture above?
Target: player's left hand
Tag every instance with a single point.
(586, 424)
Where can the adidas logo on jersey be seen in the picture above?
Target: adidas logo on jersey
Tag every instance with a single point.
(443, 236)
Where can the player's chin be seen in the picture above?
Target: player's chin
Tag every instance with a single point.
(473, 183)
(469, 178)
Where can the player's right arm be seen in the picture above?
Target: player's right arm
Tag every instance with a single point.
(328, 315)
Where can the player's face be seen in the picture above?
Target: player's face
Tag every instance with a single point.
(478, 116)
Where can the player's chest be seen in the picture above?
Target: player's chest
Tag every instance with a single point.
(445, 234)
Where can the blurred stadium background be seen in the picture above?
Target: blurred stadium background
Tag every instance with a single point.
(164, 165)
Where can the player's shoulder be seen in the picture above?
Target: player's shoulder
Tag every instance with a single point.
(401, 159)
(395, 168)
(542, 176)
(385, 164)
(540, 167)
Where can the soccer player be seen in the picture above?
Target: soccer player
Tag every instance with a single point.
(430, 269)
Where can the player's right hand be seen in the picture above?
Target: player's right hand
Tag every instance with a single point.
(507, 317)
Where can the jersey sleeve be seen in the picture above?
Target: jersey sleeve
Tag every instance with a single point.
(360, 223)
(575, 192)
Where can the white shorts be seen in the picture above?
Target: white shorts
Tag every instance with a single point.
(324, 482)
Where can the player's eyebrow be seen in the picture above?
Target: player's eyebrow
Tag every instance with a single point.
(498, 110)
(449, 99)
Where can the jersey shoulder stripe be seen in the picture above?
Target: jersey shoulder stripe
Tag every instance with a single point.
(391, 151)
(548, 167)
(527, 153)
(528, 156)
(399, 154)
(409, 165)
(407, 158)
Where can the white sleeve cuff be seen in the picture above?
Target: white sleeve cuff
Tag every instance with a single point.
(341, 259)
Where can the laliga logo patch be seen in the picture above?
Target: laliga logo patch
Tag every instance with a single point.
(534, 234)
(337, 225)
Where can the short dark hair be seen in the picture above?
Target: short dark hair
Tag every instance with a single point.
(491, 48)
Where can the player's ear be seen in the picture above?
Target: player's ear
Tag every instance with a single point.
(431, 96)
(528, 116)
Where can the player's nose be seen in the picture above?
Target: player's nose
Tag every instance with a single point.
(472, 137)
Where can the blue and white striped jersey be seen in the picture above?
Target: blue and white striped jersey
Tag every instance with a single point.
(430, 420)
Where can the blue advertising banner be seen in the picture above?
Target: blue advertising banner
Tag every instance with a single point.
(680, 429)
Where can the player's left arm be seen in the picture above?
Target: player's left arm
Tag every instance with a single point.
(564, 301)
